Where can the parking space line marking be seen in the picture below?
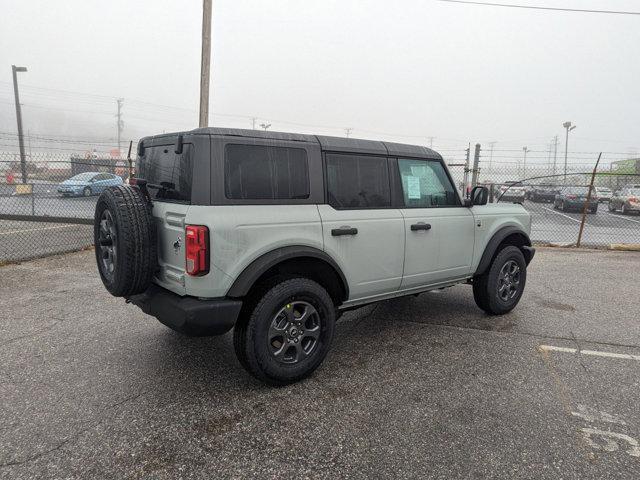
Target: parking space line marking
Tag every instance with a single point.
(594, 353)
(623, 217)
(27, 230)
(563, 215)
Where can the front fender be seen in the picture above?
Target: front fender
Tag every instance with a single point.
(516, 235)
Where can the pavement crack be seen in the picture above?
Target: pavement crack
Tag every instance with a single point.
(33, 334)
(75, 435)
(578, 350)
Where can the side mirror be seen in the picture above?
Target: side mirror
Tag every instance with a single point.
(479, 195)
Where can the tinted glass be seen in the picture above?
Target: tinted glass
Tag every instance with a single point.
(254, 172)
(357, 181)
(425, 184)
(172, 172)
(577, 190)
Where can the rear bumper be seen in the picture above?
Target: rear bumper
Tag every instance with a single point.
(217, 315)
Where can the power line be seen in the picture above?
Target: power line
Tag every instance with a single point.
(532, 7)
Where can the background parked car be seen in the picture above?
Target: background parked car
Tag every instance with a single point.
(604, 194)
(574, 198)
(626, 200)
(88, 183)
(511, 192)
(544, 193)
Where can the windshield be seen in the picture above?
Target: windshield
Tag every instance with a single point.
(578, 190)
(83, 176)
(634, 191)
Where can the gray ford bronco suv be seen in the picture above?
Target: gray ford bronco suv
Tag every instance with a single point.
(276, 234)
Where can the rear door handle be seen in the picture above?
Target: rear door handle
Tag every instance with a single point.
(420, 226)
(338, 232)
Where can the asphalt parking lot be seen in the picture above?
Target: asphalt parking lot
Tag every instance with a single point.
(420, 387)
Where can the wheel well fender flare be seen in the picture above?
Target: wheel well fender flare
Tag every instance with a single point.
(514, 236)
(252, 273)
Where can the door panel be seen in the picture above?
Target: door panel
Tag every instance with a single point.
(444, 251)
(371, 259)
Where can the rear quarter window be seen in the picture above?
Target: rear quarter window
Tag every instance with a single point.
(259, 172)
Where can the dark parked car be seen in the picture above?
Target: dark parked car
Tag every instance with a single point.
(574, 198)
(544, 193)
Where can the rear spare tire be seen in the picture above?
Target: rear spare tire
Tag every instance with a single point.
(125, 240)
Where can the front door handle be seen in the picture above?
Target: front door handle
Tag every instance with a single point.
(338, 232)
(420, 226)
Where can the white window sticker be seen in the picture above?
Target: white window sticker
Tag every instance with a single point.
(413, 187)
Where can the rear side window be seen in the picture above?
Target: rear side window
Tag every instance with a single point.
(257, 172)
(425, 184)
(357, 181)
(168, 173)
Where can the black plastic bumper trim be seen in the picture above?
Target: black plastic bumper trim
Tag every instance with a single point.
(218, 315)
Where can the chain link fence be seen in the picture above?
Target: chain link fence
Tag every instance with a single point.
(47, 204)
(52, 210)
(559, 203)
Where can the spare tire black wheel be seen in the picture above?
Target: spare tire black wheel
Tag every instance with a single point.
(125, 240)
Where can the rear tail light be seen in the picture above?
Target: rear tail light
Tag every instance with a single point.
(197, 247)
(633, 199)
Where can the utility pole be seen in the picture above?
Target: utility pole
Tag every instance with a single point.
(555, 154)
(23, 159)
(491, 144)
(253, 122)
(476, 162)
(524, 163)
(568, 127)
(205, 64)
(431, 141)
(347, 131)
(120, 122)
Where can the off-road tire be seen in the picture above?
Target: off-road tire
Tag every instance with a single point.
(135, 240)
(251, 331)
(485, 286)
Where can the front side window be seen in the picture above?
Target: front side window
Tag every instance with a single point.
(425, 184)
(357, 181)
(257, 172)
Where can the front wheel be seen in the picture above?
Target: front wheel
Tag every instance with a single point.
(87, 192)
(286, 331)
(499, 289)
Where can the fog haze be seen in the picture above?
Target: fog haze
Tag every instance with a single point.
(404, 71)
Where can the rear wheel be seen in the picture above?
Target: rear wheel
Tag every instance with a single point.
(594, 209)
(624, 209)
(564, 206)
(286, 330)
(87, 191)
(499, 289)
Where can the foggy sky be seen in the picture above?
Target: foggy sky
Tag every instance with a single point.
(404, 70)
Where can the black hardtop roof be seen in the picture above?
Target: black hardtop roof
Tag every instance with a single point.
(327, 143)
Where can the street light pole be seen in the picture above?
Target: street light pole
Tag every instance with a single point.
(524, 163)
(23, 158)
(568, 127)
